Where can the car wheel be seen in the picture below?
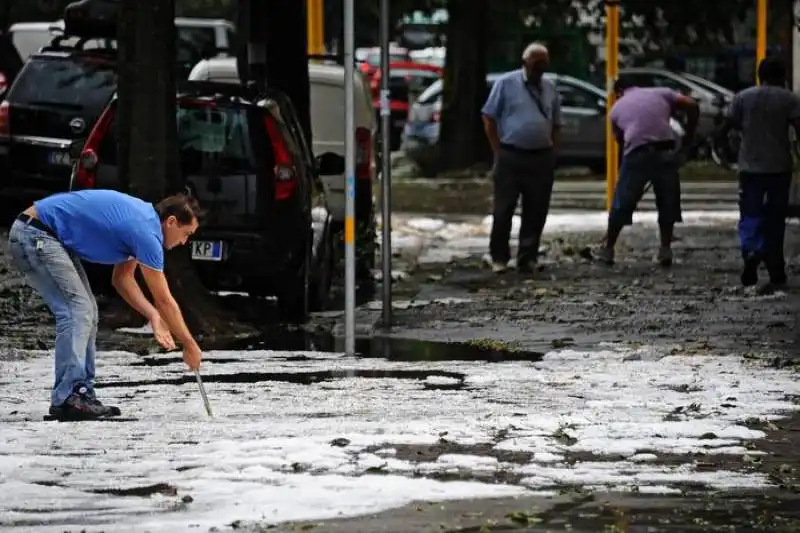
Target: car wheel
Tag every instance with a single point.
(319, 292)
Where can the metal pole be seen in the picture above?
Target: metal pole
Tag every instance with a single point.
(386, 169)
(316, 30)
(761, 33)
(350, 185)
(612, 48)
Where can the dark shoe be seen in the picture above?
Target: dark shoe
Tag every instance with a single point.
(82, 406)
(770, 288)
(114, 410)
(664, 257)
(526, 266)
(750, 272)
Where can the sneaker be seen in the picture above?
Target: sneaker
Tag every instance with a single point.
(664, 257)
(498, 267)
(80, 406)
(605, 255)
(750, 272)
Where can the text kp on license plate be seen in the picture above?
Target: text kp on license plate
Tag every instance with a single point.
(206, 250)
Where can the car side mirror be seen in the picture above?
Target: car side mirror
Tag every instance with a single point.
(76, 148)
(330, 164)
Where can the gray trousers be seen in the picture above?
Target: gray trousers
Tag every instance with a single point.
(528, 175)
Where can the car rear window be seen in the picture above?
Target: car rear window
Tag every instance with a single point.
(218, 134)
(75, 81)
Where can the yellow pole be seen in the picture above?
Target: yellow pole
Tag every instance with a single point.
(316, 30)
(612, 49)
(761, 33)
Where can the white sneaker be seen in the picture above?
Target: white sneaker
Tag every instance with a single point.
(499, 268)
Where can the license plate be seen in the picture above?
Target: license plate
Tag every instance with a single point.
(59, 158)
(206, 250)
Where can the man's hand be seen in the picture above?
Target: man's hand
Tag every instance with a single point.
(161, 333)
(192, 356)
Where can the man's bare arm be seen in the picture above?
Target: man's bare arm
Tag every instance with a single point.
(490, 127)
(167, 306)
(689, 105)
(123, 280)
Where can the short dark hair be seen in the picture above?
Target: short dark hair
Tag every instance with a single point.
(772, 70)
(183, 207)
(623, 84)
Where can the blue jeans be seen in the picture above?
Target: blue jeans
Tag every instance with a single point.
(763, 202)
(58, 276)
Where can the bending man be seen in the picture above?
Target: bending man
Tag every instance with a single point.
(47, 243)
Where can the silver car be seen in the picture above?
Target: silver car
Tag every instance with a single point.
(583, 138)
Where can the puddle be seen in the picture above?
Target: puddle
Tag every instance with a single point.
(434, 379)
(391, 348)
(144, 492)
(164, 361)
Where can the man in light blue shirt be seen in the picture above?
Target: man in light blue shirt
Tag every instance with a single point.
(47, 243)
(522, 119)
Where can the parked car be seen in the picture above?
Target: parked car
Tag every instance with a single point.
(55, 100)
(243, 155)
(583, 109)
(369, 59)
(407, 80)
(711, 98)
(327, 81)
(196, 39)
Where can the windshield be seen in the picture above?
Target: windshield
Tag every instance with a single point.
(72, 82)
(430, 94)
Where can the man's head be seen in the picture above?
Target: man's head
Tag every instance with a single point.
(621, 85)
(772, 71)
(535, 61)
(179, 216)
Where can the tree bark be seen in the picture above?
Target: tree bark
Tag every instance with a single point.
(287, 55)
(148, 152)
(462, 141)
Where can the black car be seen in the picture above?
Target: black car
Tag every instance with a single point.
(55, 100)
(243, 154)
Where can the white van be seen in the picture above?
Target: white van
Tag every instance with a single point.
(327, 124)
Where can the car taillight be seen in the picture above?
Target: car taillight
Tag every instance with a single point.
(363, 154)
(86, 166)
(3, 83)
(285, 172)
(5, 118)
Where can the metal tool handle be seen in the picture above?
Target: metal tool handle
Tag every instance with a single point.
(203, 393)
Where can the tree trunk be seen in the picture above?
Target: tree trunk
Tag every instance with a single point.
(462, 141)
(148, 152)
(287, 55)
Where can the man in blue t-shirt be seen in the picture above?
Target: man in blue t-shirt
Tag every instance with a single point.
(47, 243)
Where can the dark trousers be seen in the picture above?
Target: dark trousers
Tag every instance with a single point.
(763, 201)
(528, 175)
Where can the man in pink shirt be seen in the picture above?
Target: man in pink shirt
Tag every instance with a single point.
(641, 122)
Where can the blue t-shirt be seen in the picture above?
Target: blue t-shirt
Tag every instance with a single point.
(106, 227)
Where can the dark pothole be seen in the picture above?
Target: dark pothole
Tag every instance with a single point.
(455, 380)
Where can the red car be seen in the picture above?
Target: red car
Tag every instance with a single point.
(405, 78)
